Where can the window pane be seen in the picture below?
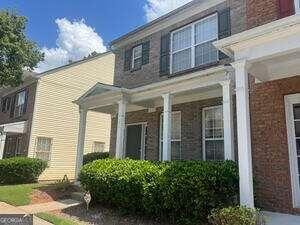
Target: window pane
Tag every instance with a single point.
(137, 52)
(205, 53)
(214, 150)
(298, 146)
(297, 112)
(99, 146)
(21, 98)
(206, 30)
(182, 60)
(297, 128)
(176, 150)
(182, 39)
(137, 63)
(176, 126)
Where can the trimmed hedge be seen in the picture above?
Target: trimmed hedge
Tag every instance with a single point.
(239, 215)
(20, 170)
(181, 191)
(90, 157)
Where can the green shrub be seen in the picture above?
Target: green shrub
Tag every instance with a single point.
(237, 216)
(181, 191)
(21, 170)
(90, 157)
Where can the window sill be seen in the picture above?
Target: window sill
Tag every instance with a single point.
(202, 67)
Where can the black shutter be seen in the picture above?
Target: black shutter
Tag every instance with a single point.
(25, 103)
(12, 108)
(145, 52)
(127, 59)
(165, 55)
(224, 27)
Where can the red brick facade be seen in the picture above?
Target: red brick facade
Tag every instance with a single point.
(269, 143)
(191, 128)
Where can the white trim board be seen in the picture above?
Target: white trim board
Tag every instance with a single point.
(290, 100)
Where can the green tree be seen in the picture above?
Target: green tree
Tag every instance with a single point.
(16, 51)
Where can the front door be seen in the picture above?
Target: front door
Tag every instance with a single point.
(135, 140)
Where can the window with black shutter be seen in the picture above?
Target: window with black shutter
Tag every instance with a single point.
(224, 24)
(137, 56)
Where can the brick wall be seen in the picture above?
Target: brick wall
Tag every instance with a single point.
(261, 12)
(269, 143)
(191, 128)
(150, 72)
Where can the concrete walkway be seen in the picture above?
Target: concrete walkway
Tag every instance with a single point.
(49, 206)
(9, 209)
(281, 219)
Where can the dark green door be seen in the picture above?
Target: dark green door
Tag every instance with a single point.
(134, 141)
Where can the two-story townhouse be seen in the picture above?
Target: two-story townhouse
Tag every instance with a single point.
(175, 96)
(40, 120)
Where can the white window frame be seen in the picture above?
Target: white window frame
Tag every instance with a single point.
(18, 109)
(204, 139)
(172, 140)
(50, 151)
(290, 100)
(193, 44)
(98, 142)
(134, 57)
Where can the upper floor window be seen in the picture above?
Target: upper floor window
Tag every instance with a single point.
(5, 104)
(20, 105)
(191, 46)
(137, 57)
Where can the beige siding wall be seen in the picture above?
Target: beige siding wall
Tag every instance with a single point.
(57, 117)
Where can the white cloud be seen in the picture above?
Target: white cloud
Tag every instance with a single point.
(156, 8)
(75, 41)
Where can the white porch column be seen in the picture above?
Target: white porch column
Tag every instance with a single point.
(121, 129)
(167, 127)
(244, 133)
(228, 120)
(2, 144)
(80, 141)
(297, 7)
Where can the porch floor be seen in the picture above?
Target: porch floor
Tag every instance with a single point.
(281, 219)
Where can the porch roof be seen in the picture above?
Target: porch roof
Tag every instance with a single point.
(18, 127)
(272, 50)
(104, 98)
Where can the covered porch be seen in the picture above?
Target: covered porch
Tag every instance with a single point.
(11, 138)
(271, 54)
(165, 120)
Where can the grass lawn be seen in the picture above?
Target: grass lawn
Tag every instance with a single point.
(56, 220)
(17, 195)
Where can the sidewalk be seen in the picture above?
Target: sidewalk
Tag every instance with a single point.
(9, 209)
(49, 206)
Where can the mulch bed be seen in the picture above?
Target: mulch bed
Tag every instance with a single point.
(50, 193)
(104, 216)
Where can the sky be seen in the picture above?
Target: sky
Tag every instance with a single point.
(68, 30)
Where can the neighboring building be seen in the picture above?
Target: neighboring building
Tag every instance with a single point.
(40, 120)
(176, 97)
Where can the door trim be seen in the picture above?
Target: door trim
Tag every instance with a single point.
(290, 100)
(143, 138)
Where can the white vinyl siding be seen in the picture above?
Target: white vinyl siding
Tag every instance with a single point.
(191, 46)
(175, 136)
(213, 133)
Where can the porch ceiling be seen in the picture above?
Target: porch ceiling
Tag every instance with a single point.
(272, 50)
(192, 87)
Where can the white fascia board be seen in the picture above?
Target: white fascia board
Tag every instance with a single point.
(254, 36)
